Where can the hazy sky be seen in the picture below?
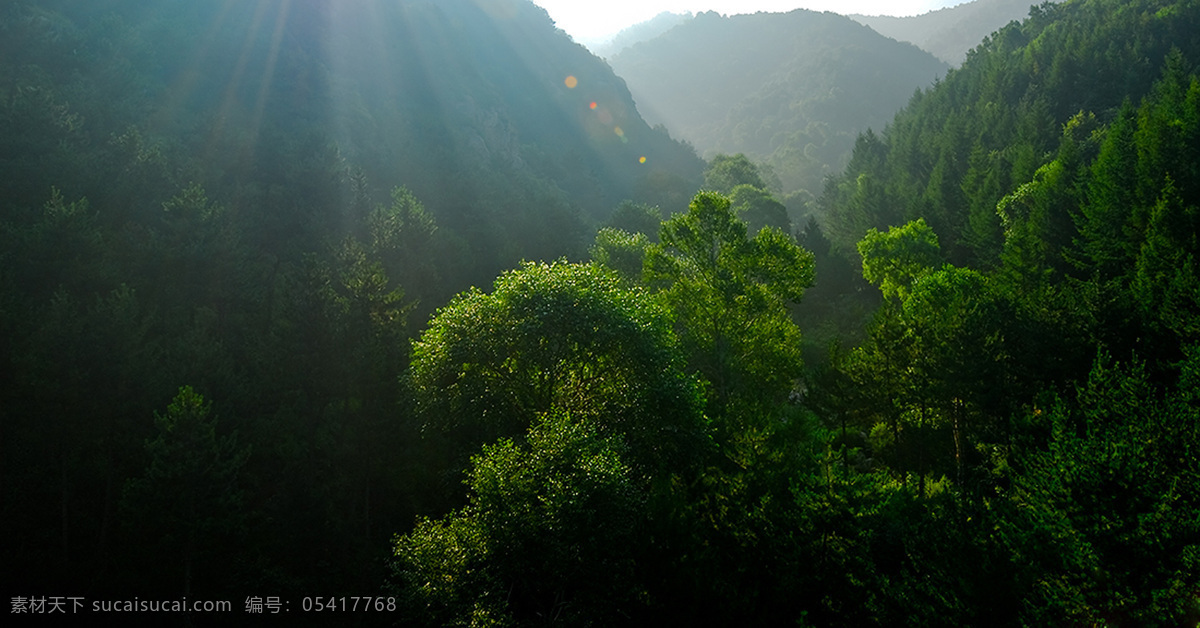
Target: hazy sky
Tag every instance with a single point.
(591, 20)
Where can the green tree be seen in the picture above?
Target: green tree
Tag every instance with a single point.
(726, 172)
(189, 494)
(1111, 190)
(621, 251)
(960, 327)
(1166, 282)
(759, 209)
(730, 295)
(895, 260)
(558, 337)
(553, 533)
(401, 236)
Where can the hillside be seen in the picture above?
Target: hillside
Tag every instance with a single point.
(1032, 225)
(267, 344)
(954, 152)
(951, 32)
(469, 108)
(1010, 438)
(256, 203)
(790, 89)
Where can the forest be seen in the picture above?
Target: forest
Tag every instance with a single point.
(305, 302)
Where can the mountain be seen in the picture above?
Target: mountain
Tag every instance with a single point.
(951, 32)
(642, 31)
(956, 151)
(247, 207)
(791, 89)
(495, 119)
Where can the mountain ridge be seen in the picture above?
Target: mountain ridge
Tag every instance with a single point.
(794, 88)
(949, 33)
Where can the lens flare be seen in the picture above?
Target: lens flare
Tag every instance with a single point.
(593, 105)
(571, 82)
(642, 160)
(619, 131)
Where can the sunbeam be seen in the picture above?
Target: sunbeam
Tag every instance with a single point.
(183, 85)
(268, 76)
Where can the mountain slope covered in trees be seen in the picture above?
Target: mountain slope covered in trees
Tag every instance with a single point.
(951, 32)
(217, 381)
(427, 95)
(1014, 442)
(791, 89)
(954, 152)
(228, 216)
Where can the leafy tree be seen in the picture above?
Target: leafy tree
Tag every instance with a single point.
(1036, 218)
(960, 327)
(759, 209)
(551, 534)
(895, 260)
(636, 218)
(726, 172)
(729, 294)
(565, 338)
(621, 251)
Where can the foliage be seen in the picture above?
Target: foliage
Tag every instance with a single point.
(951, 32)
(759, 209)
(726, 172)
(899, 258)
(636, 218)
(558, 337)
(642, 441)
(551, 535)
(1103, 519)
(729, 294)
(621, 251)
(267, 201)
(956, 150)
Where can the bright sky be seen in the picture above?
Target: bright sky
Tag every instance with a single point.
(594, 20)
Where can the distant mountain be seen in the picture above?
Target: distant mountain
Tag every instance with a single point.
(640, 32)
(950, 33)
(792, 89)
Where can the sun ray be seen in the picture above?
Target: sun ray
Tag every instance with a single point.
(183, 86)
(227, 112)
(264, 87)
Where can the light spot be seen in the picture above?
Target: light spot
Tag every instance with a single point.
(571, 82)
(593, 105)
(619, 131)
(642, 159)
